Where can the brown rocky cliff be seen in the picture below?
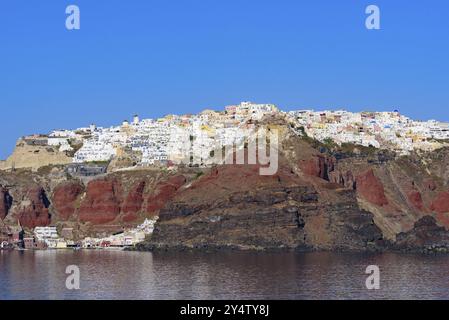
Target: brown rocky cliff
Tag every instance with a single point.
(164, 192)
(115, 199)
(370, 188)
(102, 202)
(440, 205)
(235, 207)
(426, 236)
(319, 199)
(416, 199)
(64, 198)
(34, 211)
(346, 179)
(441, 202)
(134, 202)
(318, 166)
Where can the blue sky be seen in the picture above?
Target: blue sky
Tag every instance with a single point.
(158, 57)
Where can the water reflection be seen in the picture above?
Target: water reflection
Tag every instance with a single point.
(133, 275)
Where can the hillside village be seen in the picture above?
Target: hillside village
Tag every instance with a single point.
(176, 140)
(191, 139)
(48, 237)
(387, 130)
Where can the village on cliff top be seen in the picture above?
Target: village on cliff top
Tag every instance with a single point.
(168, 140)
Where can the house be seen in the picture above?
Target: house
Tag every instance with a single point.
(79, 169)
(105, 244)
(28, 243)
(61, 244)
(49, 235)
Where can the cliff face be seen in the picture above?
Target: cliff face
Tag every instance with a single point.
(320, 199)
(97, 206)
(426, 236)
(397, 190)
(33, 210)
(235, 207)
(102, 202)
(65, 197)
(371, 189)
(134, 202)
(5, 202)
(164, 192)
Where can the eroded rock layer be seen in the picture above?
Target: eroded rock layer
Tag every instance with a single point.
(247, 211)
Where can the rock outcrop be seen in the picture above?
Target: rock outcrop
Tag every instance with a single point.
(108, 203)
(426, 236)
(65, 197)
(102, 202)
(275, 212)
(114, 199)
(441, 203)
(346, 179)
(34, 209)
(134, 202)
(164, 191)
(318, 166)
(416, 200)
(371, 189)
(33, 157)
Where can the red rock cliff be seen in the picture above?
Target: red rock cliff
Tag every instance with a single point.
(441, 203)
(102, 202)
(35, 213)
(319, 166)
(370, 188)
(64, 198)
(164, 192)
(416, 200)
(133, 202)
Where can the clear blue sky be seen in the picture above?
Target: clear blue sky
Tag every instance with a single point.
(157, 57)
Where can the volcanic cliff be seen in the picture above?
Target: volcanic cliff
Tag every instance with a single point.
(323, 197)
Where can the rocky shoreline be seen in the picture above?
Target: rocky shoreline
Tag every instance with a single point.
(426, 238)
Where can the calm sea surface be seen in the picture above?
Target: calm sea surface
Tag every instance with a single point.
(135, 275)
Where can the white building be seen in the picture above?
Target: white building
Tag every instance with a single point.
(49, 235)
